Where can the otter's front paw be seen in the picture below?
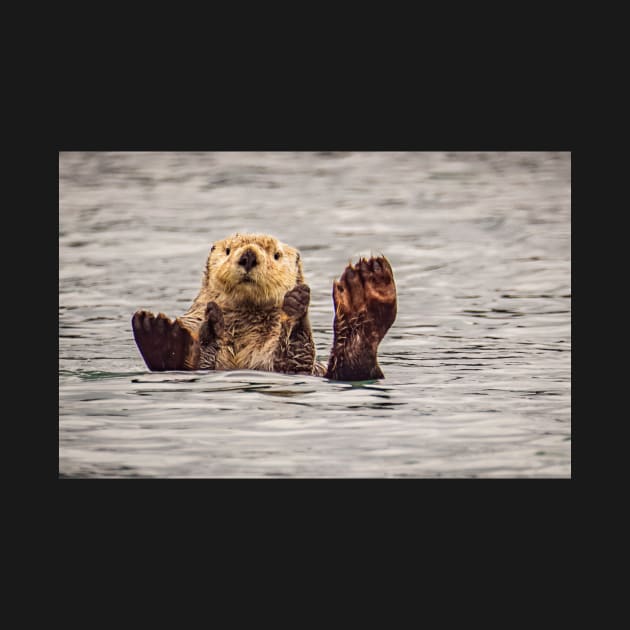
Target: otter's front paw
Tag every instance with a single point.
(213, 325)
(296, 301)
(365, 297)
(163, 343)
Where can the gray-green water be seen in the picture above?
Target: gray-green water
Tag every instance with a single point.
(477, 364)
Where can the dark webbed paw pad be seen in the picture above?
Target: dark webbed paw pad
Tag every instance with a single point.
(296, 301)
(365, 295)
(163, 343)
(365, 308)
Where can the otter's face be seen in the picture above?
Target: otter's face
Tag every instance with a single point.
(253, 269)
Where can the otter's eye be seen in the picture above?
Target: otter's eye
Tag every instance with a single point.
(227, 251)
(277, 255)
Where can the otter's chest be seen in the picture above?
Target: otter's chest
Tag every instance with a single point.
(250, 340)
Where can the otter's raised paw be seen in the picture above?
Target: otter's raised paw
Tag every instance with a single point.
(365, 297)
(296, 301)
(210, 336)
(213, 324)
(365, 308)
(164, 344)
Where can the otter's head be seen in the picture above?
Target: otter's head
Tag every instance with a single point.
(253, 269)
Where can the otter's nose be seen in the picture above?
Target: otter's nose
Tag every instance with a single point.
(248, 260)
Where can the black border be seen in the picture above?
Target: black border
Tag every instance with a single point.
(460, 120)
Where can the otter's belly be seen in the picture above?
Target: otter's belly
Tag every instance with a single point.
(249, 348)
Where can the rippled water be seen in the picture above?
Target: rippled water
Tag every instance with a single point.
(477, 364)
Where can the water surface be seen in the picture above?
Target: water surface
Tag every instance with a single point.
(477, 364)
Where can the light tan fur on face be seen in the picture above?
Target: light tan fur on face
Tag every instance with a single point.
(263, 286)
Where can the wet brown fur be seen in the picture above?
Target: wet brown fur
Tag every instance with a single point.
(257, 318)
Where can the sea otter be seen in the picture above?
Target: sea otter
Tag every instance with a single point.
(252, 313)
